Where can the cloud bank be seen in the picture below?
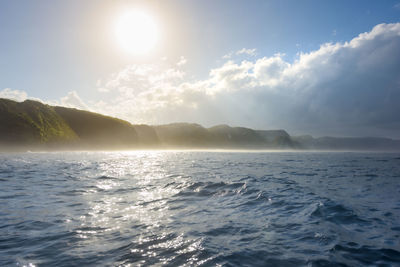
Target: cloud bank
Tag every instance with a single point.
(350, 88)
(342, 89)
(16, 95)
(71, 100)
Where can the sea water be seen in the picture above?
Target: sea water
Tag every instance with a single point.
(177, 208)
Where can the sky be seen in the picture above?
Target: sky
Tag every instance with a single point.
(310, 67)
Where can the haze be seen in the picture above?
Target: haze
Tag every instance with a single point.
(309, 67)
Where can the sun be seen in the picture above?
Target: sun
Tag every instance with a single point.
(136, 32)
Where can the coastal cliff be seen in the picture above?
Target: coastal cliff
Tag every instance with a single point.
(32, 125)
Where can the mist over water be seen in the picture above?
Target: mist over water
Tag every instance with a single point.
(174, 208)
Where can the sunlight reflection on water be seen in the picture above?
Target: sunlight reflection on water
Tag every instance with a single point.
(194, 208)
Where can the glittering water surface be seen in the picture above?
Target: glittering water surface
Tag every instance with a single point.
(199, 208)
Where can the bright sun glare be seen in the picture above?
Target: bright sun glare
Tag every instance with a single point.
(136, 32)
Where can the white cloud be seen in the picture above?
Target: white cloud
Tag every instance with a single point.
(350, 88)
(16, 95)
(244, 51)
(72, 100)
(182, 61)
(228, 56)
(139, 92)
(247, 51)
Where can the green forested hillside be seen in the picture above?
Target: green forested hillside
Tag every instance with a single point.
(32, 123)
(98, 131)
(183, 135)
(221, 136)
(236, 136)
(37, 126)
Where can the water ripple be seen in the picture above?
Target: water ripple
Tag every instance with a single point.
(199, 209)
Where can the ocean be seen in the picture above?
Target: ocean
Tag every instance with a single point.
(188, 208)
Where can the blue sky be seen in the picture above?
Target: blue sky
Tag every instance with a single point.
(63, 52)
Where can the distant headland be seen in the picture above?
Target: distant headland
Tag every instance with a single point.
(32, 125)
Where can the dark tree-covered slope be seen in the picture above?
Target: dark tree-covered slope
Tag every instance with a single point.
(34, 125)
(30, 123)
(98, 131)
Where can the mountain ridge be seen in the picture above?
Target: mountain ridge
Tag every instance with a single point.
(32, 125)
